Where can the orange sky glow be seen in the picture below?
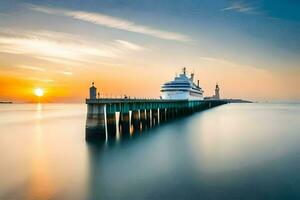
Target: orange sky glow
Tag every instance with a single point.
(130, 55)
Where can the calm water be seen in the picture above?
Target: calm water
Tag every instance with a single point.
(236, 151)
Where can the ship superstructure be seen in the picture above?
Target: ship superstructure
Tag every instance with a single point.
(182, 88)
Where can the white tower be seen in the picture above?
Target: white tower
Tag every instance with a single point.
(217, 92)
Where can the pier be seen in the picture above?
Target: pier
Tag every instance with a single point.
(108, 117)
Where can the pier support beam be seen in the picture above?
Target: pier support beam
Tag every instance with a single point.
(148, 119)
(154, 117)
(95, 123)
(143, 120)
(135, 121)
(111, 121)
(174, 112)
(111, 125)
(162, 115)
(169, 114)
(190, 110)
(124, 123)
(182, 111)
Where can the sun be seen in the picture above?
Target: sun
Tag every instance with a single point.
(39, 92)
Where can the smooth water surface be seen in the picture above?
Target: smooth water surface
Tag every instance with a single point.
(234, 151)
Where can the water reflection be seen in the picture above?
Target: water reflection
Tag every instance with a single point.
(229, 152)
(94, 177)
(41, 152)
(213, 155)
(120, 170)
(40, 183)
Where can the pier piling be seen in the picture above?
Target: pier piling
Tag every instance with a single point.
(145, 113)
(95, 123)
(143, 119)
(135, 120)
(148, 119)
(154, 117)
(162, 115)
(124, 123)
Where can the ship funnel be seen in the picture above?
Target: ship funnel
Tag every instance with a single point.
(198, 83)
(192, 76)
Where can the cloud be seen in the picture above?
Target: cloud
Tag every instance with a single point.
(32, 68)
(223, 62)
(111, 64)
(60, 60)
(40, 79)
(112, 22)
(40, 46)
(65, 73)
(241, 6)
(129, 45)
(62, 48)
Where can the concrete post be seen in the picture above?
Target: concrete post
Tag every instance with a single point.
(154, 117)
(111, 125)
(190, 110)
(95, 123)
(111, 121)
(143, 119)
(169, 114)
(124, 123)
(148, 119)
(181, 111)
(162, 115)
(135, 120)
(174, 112)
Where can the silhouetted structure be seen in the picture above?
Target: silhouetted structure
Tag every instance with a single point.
(216, 96)
(135, 114)
(93, 92)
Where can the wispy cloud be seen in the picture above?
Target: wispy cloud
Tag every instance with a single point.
(241, 6)
(32, 68)
(62, 48)
(65, 61)
(67, 73)
(27, 67)
(110, 64)
(129, 45)
(40, 79)
(224, 62)
(44, 47)
(113, 22)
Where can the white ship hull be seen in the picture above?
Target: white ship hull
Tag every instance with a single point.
(180, 95)
(182, 88)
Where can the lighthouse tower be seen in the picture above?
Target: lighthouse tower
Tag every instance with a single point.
(217, 92)
(93, 92)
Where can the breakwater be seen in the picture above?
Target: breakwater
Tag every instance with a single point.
(107, 118)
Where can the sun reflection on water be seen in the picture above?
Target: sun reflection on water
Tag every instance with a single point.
(40, 182)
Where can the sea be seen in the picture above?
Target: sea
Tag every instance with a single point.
(234, 151)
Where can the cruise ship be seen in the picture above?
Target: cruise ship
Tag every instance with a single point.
(182, 88)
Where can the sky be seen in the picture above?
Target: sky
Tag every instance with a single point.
(250, 48)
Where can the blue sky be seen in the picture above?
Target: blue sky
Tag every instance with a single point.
(268, 25)
(229, 34)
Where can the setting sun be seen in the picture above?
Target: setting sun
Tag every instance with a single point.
(39, 92)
